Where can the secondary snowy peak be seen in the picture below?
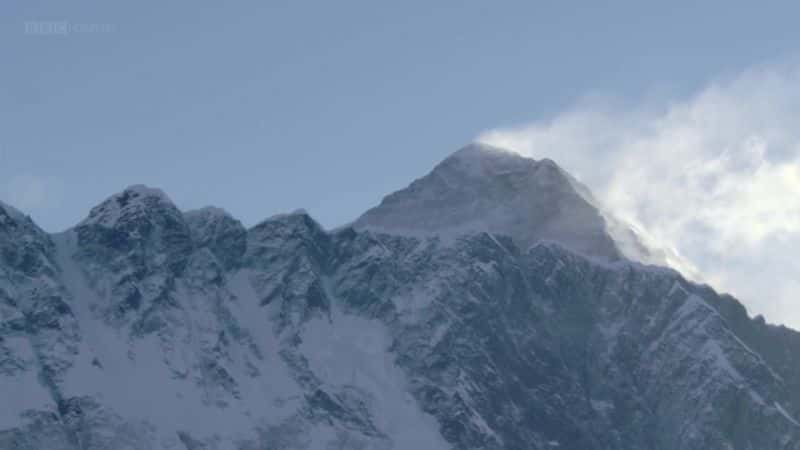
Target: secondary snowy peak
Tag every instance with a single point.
(484, 188)
(215, 229)
(295, 234)
(295, 224)
(139, 223)
(134, 203)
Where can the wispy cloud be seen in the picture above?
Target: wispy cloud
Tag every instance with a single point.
(715, 176)
(31, 193)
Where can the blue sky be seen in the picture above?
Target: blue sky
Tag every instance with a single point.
(265, 107)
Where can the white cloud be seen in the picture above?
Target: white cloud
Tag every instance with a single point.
(715, 176)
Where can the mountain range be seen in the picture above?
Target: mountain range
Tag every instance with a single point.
(491, 304)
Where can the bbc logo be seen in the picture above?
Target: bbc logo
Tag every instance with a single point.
(64, 28)
(47, 28)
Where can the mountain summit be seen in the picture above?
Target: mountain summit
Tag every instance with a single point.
(476, 309)
(484, 188)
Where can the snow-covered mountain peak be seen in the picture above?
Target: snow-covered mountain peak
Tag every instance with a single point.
(140, 225)
(480, 160)
(296, 221)
(483, 188)
(134, 202)
(215, 229)
(290, 230)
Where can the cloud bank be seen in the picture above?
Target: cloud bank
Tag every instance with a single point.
(714, 177)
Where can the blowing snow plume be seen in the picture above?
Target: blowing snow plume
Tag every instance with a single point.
(714, 177)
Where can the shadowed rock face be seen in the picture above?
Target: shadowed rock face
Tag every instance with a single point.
(145, 327)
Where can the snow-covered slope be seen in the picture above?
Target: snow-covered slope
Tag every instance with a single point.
(484, 307)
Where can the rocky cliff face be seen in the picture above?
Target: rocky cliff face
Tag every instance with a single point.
(484, 307)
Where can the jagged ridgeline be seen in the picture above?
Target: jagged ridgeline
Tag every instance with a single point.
(489, 305)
